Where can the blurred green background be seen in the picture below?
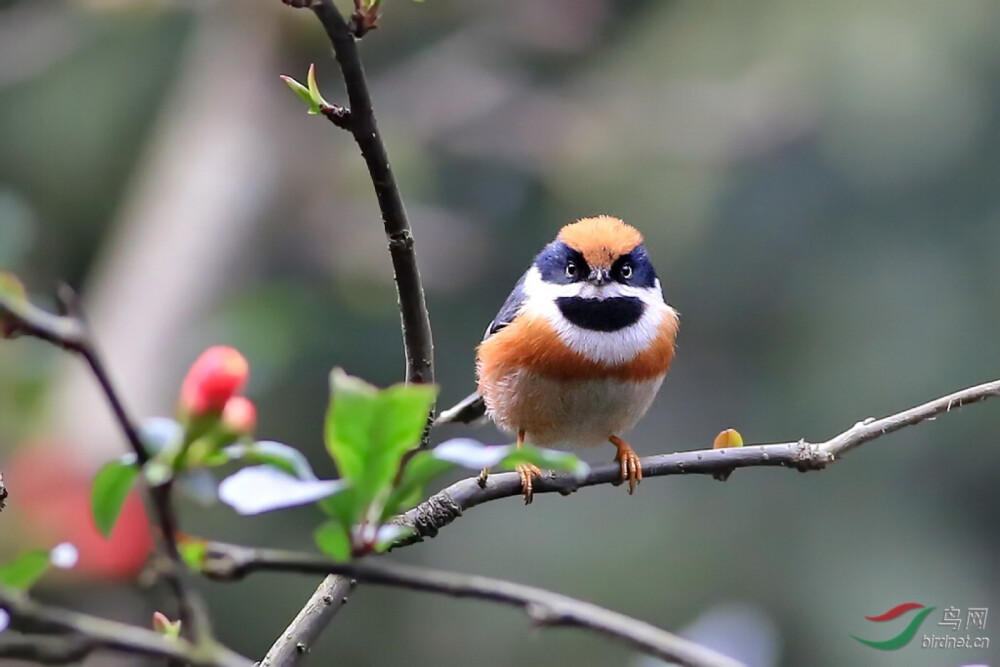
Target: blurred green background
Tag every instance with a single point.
(819, 185)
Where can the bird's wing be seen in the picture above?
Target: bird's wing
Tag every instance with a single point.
(469, 409)
(472, 407)
(509, 309)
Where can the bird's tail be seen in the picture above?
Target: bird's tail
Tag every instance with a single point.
(469, 409)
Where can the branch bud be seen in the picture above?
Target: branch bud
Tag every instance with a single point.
(164, 626)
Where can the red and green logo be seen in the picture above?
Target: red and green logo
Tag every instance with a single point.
(908, 633)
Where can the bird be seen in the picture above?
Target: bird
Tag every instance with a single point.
(580, 348)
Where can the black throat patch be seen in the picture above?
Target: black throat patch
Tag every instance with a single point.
(601, 314)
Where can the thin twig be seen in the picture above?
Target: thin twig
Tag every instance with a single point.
(70, 333)
(91, 633)
(545, 608)
(427, 518)
(360, 120)
(298, 639)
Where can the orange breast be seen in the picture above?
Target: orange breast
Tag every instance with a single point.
(530, 343)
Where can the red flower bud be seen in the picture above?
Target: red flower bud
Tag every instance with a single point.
(215, 377)
(239, 416)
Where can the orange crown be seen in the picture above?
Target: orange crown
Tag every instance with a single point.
(601, 240)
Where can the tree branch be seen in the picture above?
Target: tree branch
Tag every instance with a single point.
(360, 120)
(546, 609)
(329, 598)
(418, 345)
(70, 333)
(90, 633)
(427, 518)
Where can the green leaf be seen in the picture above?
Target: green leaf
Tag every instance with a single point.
(352, 410)
(368, 431)
(301, 91)
(333, 539)
(341, 506)
(111, 487)
(401, 419)
(420, 469)
(22, 573)
(316, 99)
(193, 552)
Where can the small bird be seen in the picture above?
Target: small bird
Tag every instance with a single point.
(579, 349)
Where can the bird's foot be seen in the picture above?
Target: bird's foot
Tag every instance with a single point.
(527, 471)
(631, 465)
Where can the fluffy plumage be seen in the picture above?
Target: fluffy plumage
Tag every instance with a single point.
(581, 346)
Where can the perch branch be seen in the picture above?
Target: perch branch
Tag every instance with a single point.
(305, 628)
(546, 609)
(90, 633)
(70, 333)
(445, 506)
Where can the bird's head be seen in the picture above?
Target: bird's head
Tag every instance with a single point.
(597, 273)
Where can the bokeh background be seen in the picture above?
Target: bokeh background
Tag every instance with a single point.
(819, 185)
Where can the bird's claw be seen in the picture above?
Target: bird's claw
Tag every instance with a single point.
(527, 471)
(631, 465)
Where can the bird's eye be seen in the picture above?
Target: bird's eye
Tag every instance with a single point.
(570, 269)
(626, 271)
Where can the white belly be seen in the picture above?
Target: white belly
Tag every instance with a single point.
(566, 414)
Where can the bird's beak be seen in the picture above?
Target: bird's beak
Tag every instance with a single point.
(599, 276)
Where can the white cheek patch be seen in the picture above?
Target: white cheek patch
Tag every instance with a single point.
(609, 347)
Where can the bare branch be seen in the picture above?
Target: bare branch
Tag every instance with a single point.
(91, 633)
(546, 609)
(445, 506)
(329, 598)
(360, 120)
(70, 332)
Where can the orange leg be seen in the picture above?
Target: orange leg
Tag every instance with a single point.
(630, 464)
(526, 471)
